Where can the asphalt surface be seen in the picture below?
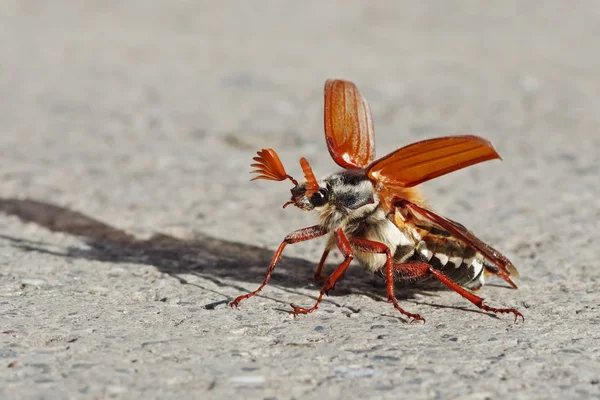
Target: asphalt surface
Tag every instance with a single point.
(127, 221)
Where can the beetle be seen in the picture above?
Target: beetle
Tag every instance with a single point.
(372, 212)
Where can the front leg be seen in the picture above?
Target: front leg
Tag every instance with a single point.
(300, 235)
(344, 246)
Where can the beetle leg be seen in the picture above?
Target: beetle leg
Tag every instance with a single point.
(478, 301)
(418, 270)
(377, 247)
(366, 246)
(300, 235)
(344, 246)
(319, 272)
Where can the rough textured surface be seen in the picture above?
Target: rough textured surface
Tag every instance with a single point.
(127, 220)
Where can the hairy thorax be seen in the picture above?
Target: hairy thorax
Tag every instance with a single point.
(368, 221)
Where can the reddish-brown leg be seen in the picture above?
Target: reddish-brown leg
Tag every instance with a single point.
(366, 246)
(318, 273)
(389, 277)
(412, 270)
(377, 247)
(344, 246)
(417, 270)
(478, 301)
(300, 235)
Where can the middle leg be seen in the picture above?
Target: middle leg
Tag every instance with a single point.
(319, 272)
(377, 247)
(365, 245)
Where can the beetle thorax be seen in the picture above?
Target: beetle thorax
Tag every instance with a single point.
(352, 197)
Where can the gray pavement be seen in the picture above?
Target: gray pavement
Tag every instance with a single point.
(127, 220)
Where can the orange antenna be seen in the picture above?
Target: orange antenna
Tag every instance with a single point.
(311, 182)
(269, 167)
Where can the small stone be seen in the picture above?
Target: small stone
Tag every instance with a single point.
(33, 282)
(248, 380)
(98, 290)
(115, 390)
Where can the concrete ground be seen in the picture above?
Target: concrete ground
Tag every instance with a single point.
(127, 221)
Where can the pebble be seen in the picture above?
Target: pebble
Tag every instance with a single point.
(248, 380)
(33, 282)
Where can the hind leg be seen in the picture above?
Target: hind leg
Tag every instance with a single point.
(419, 270)
(478, 301)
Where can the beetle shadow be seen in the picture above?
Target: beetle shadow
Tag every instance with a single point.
(219, 261)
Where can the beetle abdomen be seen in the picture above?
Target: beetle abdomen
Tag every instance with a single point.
(460, 263)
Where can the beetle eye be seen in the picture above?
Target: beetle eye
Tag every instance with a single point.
(320, 198)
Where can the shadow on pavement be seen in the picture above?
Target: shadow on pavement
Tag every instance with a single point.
(207, 257)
